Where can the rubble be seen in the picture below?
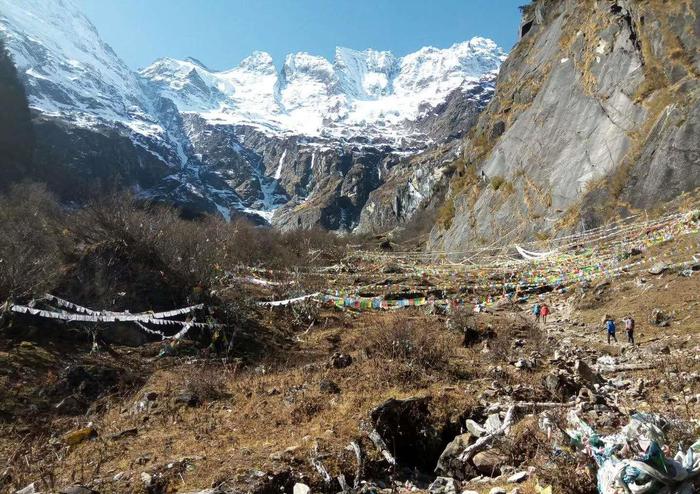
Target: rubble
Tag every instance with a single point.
(490, 462)
(449, 462)
(328, 387)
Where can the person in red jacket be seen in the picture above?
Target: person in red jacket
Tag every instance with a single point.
(544, 312)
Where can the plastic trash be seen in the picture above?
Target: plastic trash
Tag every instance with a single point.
(632, 461)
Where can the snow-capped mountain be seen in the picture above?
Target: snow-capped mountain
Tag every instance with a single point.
(297, 146)
(69, 71)
(361, 93)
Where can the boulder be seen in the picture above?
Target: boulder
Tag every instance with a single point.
(449, 463)
(498, 490)
(340, 360)
(490, 462)
(523, 363)
(560, 386)
(475, 429)
(443, 485)
(660, 318)
(147, 479)
(658, 268)
(300, 488)
(329, 387)
(659, 347)
(30, 489)
(493, 423)
(188, 398)
(586, 374)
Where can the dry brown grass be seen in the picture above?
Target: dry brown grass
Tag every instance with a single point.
(250, 416)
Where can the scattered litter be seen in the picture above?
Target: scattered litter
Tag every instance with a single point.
(633, 460)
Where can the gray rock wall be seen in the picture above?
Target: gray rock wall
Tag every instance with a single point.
(595, 114)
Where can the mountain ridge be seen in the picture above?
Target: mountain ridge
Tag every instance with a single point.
(247, 140)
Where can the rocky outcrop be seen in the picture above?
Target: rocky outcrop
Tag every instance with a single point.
(417, 182)
(595, 114)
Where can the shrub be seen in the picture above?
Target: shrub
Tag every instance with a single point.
(497, 181)
(206, 382)
(30, 244)
(121, 253)
(464, 321)
(419, 349)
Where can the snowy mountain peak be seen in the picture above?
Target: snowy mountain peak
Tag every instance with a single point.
(304, 65)
(365, 74)
(370, 94)
(258, 61)
(196, 62)
(249, 138)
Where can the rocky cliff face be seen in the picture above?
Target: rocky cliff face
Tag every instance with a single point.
(596, 113)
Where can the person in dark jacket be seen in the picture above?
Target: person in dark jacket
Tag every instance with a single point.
(609, 324)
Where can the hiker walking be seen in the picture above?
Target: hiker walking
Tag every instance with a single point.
(544, 312)
(629, 327)
(610, 327)
(536, 311)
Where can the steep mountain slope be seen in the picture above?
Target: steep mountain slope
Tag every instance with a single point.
(302, 146)
(16, 132)
(596, 113)
(306, 146)
(95, 127)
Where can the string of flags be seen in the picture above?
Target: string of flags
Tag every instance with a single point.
(84, 314)
(587, 259)
(555, 269)
(121, 316)
(277, 303)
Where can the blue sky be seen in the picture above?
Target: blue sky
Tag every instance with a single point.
(220, 33)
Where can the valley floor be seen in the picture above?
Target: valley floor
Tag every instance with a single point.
(186, 421)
